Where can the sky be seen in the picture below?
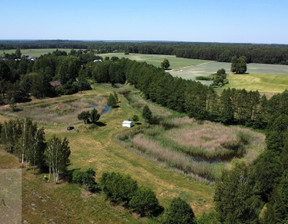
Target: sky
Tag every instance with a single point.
(245, 21)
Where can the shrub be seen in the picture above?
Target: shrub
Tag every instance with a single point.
(112, 101)
(86, 178)
(117, 187)
(210, 218)
(206, 78)
(135, 118)
(179, 212)
(144, 202)
(146, 113)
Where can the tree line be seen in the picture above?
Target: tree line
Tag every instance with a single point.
(54, 74)
(232, 106)
(255, 53)
(243, 192)
(25, 140)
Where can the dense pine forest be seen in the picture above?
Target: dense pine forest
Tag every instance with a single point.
(243, 194)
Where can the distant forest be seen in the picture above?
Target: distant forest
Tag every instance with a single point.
(222, 52)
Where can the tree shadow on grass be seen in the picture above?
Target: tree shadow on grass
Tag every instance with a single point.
(100, 124)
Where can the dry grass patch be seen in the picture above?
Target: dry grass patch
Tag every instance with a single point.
(210, 137)
(58, 111)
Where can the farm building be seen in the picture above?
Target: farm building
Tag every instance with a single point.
(128, 124)
(55, 83)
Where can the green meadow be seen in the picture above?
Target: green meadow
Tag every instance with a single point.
(154, 59)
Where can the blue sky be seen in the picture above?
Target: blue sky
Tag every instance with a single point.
(254, 21)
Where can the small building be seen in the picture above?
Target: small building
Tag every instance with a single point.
(55, 83)
(127, 124)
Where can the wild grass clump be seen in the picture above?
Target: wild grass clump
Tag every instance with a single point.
(154, 131)
(168, 124)
(172, 158)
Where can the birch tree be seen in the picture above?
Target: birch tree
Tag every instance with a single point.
(57, 155)
(36, 152)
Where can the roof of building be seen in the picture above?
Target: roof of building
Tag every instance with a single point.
(55, 83)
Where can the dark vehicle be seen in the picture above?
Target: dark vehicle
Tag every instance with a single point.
(69, 128)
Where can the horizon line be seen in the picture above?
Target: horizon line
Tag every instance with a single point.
(168, 41)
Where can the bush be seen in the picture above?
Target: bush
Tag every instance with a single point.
(86, 178)
(206, 78)
(117, 187)
(179, 212)
(112, 101)
(146, 113)
(135, 118)
(144, 202)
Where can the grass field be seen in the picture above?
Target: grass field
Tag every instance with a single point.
(63, 203)
(97, 148)
(265, 78)
(154, 59)
(32, 52)
(264, 83)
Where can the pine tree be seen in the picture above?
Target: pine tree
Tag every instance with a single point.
(226, 111)
(146, 113)
(94, 116)
(111, 101)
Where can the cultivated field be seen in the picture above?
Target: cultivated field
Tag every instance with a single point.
(264, 83)
(265, 78)
(154, 59)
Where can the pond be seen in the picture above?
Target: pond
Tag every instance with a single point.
(106, 109)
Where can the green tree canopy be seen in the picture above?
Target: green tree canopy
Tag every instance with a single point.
(94, 116)
(179, 212)
(146, 113)
(165, 64)
(112, 101)
(57, 156)
(238, 65)
(144, 202)
(85, 116)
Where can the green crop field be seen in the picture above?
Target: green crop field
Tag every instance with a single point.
(265, 78)
(154, 59)
(265, 83)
